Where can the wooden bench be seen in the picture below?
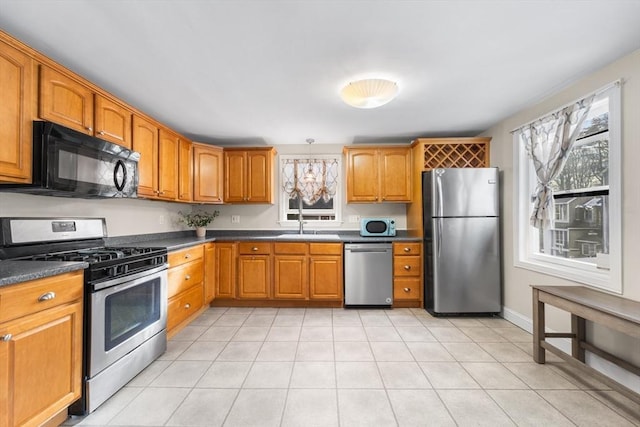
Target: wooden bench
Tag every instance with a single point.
(585, 304)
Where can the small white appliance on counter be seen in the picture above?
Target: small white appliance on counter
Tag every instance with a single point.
(372, 227)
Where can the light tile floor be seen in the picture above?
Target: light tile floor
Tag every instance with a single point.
(335, 367)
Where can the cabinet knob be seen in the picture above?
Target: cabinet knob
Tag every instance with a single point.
(187, 256)
(407, 289)
(187, 277)
(254, 249)
(407, 249)
(187, 306)
(89, 128)
(47, 296)
(407, 267)
(6, 338)
(101, 132)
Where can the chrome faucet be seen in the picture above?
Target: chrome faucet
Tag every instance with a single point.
(300, 220)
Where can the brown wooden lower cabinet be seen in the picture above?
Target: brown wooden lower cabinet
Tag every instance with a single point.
(278, 274)
(407, 274)
(186, 287)
(40, 349)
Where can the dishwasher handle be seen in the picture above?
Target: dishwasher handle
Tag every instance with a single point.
(372, 250)
(368, 247)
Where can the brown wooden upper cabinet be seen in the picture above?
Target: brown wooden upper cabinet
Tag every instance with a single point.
(70, 103)
(16, 113)
(378, 174)
(158, 165)
(248, 175)
(208, 173)
(185, 170)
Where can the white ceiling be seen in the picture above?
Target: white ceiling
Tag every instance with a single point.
(269, 72)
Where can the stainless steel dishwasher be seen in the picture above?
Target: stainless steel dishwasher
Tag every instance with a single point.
(368, 274)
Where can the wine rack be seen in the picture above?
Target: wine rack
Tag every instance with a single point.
(455, 153)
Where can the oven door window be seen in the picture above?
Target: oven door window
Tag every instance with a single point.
(130, 311)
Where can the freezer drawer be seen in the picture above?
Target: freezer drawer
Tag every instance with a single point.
(464, 268)
(368, 274)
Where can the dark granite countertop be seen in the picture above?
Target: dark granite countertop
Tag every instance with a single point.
(179, 240)
(12, 272)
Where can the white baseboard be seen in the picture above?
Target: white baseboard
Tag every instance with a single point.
(607, 368)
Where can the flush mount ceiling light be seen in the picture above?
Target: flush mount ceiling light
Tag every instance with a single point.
(369, 93)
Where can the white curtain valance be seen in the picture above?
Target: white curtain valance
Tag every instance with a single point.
(310, 179)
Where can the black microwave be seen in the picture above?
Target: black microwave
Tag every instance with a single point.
(72, 164)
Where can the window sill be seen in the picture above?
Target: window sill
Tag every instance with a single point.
(599, 279)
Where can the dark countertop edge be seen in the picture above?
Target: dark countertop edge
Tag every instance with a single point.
(180, 240)
(13, 272)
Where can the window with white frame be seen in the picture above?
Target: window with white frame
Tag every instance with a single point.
(581, 241)
(309, 187)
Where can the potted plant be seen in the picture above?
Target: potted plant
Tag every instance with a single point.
(199, 220)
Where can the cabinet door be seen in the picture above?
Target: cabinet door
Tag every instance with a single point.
(259, 176)
(168, 165)
(234, 176)
(225, 270)
(209, 272)
(145, 142)
(290, 277)
(325, 278)
(65, 101)
(253, 276)
(395, 174)
(41, 365)
(185, 168)
(208, 174)
(362, 175)
(16, 114)
(112, 121)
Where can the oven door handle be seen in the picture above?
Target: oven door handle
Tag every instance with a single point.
(128, 278)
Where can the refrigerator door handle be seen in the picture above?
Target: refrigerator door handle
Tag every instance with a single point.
(438, 239)
(437, 199)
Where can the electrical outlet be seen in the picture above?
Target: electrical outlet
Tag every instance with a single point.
(354, 218)
(161, 219)
(235, 219)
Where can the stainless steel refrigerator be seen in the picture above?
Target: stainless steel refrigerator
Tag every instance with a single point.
(461, 241)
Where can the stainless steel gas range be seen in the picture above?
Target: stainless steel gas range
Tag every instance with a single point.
(125, 299)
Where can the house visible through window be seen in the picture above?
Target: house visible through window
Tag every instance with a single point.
(309, 187)
(582, 241)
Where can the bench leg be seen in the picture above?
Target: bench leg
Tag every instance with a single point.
(579, 335)
(538, 327)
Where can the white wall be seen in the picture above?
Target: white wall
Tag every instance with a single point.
(138, 216)
(517, 294)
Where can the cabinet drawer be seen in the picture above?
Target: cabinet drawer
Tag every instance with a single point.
(406, 288)
(185, 276)
(290, 248)
(37, 295)
(325, 248)
(184, 305)
(406, 266)
(254, 248)
(407, 248)
(185, 255)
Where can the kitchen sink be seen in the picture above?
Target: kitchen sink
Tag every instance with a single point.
(308, 237)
